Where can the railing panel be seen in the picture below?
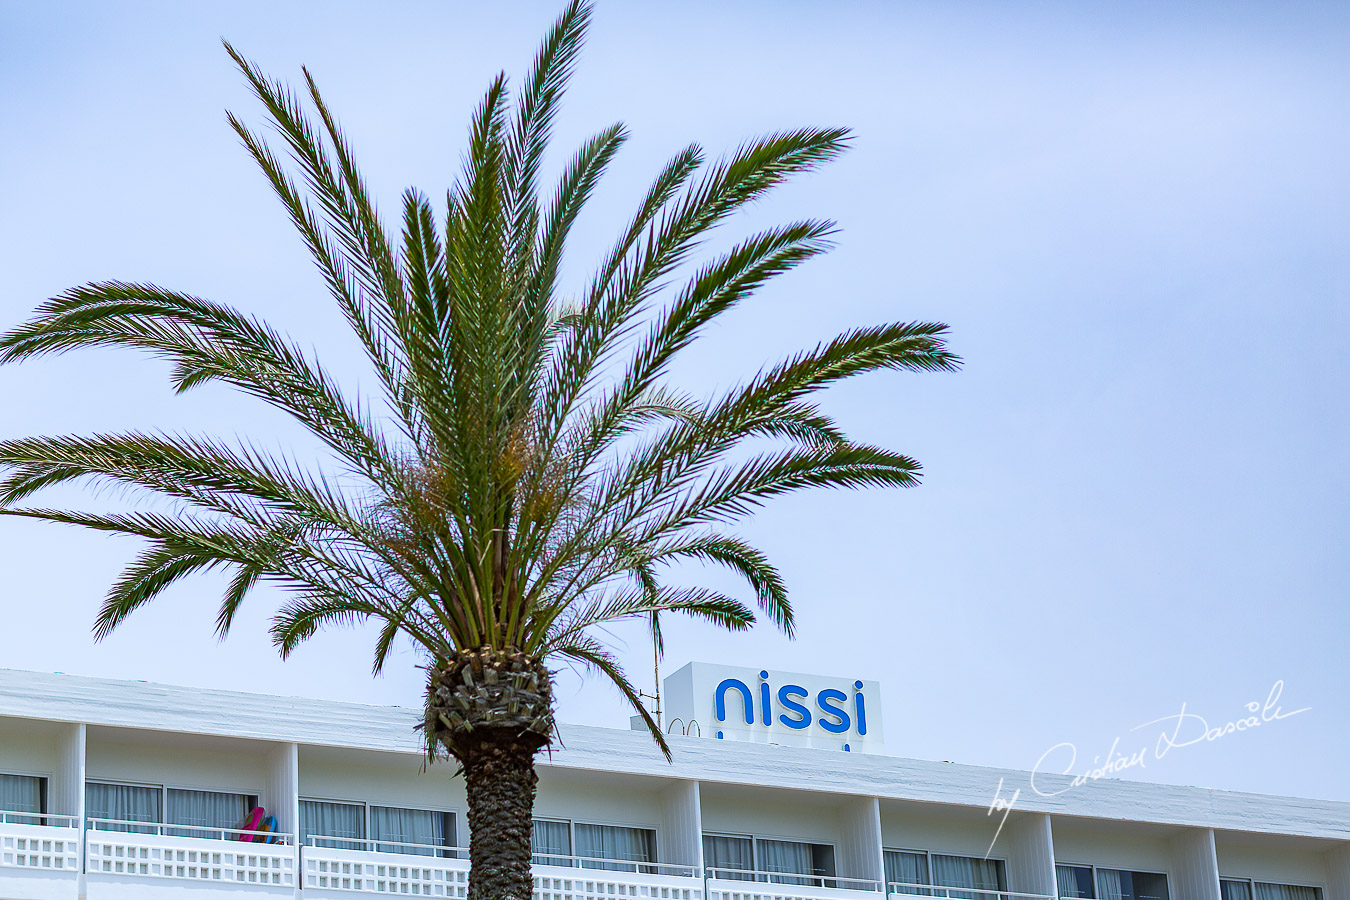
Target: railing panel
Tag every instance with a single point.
(200, 860)
(568, 883)
(366, 871)
(41, 862)
(728, 889)
(39, 847)
(329, 869)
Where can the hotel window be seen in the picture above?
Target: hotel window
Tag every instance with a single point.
(425, 829)
(122, 805)
(207, 810)
(23, 799)
(907, 868)
(1109, 884)
(1245, 889)
(965, 873)
(789, 858)
(633, 845)
(734, 857)
(554, 839)
(340, 826)
(551, 843)
(211, 814)
(779, 862)
(1075, 881)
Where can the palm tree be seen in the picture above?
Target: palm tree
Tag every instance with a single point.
(524, 474)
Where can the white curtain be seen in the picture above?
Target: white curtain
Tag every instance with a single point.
(790, 857)
(1075, 881)
(1111, 885)
(126, 802)
(207, 809)
(615, 842)
(1235, 890)
(1286, 892)
(333, 820)
(735, 853)
(21, 794)
(551, 843)
(906, 868)
(411, 826)
(967, 872)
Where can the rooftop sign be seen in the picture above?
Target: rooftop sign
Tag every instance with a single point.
(771, 707)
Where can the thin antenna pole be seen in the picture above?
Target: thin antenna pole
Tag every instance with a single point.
(656, 666)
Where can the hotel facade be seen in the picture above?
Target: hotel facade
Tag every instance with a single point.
(114, 790)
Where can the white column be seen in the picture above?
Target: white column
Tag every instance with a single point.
(681, 836)
(1028, 840)
(66, 789)
(860, 849)
(281, 798)
(66, 797)
(281, 791)
(1195, 865)
(1338, 873)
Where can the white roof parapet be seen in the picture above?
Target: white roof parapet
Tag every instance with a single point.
(327, 723)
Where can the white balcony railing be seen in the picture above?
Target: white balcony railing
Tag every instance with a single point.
(39, 855)
(902, 889)
(593, 878)
(164, 853)
(339, 866)
(747, 884)
(39, 842)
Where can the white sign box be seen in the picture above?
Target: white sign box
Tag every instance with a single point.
(734, 703)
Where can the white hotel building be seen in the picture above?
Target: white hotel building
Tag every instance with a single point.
(128, 790)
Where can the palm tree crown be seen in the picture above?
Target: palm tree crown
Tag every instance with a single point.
(524, 472)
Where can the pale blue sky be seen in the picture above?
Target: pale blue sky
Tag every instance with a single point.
(1133, 215)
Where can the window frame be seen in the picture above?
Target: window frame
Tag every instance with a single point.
(650, 865)
(1094, 867)
(928, 860)
(755, 859)
(1252, 883)
(368, 840)
(164, 788)
(44, 798)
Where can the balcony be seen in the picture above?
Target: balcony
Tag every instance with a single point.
(39, 855)
(745, 884)
(590, 878)
(431, 871)
(133, 860)
(929, 891)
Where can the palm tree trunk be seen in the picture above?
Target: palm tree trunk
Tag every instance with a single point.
(500, 779)
(493, 711)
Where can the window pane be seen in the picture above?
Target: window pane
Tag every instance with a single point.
(734, 856)
(903, 867)
(425, 828)
(1266, 891)
(615, 842)
(1115, 884)
(345, 822)
(1235, 890)
(822, 860)
(787, 857)
(207, 809)
(1076, 881)
(124, 803)
(967, 872)
(22, 794)
(551, 843)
